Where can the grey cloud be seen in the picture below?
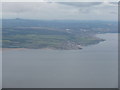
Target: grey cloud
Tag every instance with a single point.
(85, 11)
(81, 4)
(61, 10)
(21, 7)
(83, 7)
(14, 7)
(114, 3)
(112, 12)
(92, 7)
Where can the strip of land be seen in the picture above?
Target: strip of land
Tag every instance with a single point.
(52, 34)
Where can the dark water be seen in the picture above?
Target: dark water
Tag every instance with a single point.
(94, 66)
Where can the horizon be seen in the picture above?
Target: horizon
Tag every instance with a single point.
(57, 19)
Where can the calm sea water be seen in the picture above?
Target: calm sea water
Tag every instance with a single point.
(94, 66)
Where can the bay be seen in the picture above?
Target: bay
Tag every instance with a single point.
(95, 66)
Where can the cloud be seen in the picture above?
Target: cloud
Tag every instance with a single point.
(19, 7)
(94, 7)
(61, 10)
(81, 4)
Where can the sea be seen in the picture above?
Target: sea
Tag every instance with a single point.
(94, 66)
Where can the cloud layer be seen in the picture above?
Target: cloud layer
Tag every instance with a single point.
(61, 10)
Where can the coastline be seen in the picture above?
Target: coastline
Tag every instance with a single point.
(47, 48)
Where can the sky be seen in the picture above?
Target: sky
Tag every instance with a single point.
(52, 10)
